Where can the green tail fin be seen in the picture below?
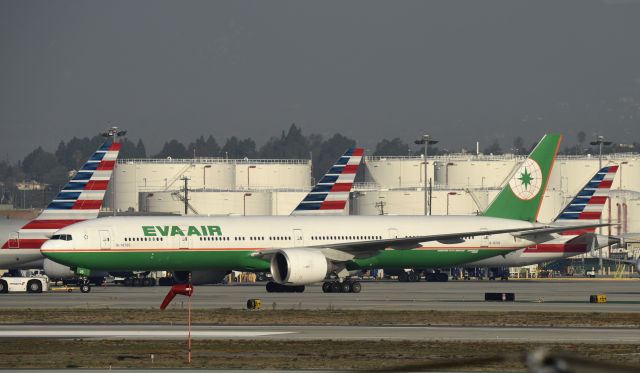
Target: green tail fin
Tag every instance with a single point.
(521, 198)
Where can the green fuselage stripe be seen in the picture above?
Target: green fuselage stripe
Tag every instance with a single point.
(244, 260)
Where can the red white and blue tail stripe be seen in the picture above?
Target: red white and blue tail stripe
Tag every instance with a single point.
(331, 194)
(80, 199)
(588, 204)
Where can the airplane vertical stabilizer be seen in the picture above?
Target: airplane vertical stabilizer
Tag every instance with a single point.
(522, 197)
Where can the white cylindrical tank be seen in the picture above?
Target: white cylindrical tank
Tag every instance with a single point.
(625, 211)
(283, 202)
(397, 172)
(272, 175)
(209, 203)
(411, 202)
(552, 203)
(132, 176)
(475, 172)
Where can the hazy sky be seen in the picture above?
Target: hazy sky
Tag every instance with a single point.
(461, 70)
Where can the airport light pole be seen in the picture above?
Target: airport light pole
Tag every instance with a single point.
(600, 141)
(426, 140)
(113, 133)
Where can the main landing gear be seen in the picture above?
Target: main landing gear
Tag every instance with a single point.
(347, 286)
(274, 287)
(84, 285)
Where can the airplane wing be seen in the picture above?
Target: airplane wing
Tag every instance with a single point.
(345, 251)
(362, 249)
(558, 229)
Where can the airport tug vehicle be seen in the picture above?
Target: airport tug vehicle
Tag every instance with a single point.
(24, 284)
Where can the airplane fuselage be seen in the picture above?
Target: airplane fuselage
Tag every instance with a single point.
(198, 243)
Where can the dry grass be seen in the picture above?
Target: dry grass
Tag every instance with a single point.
(261, 354)
(323, 317)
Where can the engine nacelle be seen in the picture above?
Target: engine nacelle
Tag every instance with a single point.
(56, 270)
(200, 277)
(299, 266)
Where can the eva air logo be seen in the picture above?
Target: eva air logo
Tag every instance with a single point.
(527, 181)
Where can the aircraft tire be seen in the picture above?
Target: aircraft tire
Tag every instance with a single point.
(271, 287)
(442, 277)
(4, 287)
(335, 287)
(345, 287)
(85, 288)
(146, 282)
(326, 287)
(413, 277)
(136, 282)
(356, 287)
(127, 281)
(403, 277)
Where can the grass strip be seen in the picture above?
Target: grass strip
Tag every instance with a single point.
(321, 317)
(264, 354)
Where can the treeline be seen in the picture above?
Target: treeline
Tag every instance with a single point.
(54, 168)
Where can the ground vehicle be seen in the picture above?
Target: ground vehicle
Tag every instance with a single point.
(24, 284)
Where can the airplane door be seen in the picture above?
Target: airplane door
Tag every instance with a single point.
(183, 241)
(393, 233)
(14, 240)
(297, 238)
(105, 240)
(484, 240)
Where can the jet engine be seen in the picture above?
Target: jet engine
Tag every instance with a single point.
(56, 270)
(200, 277)
(299, 266)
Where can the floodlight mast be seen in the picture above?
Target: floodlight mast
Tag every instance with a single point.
(426, 140)
(113, 133)
(600, 141)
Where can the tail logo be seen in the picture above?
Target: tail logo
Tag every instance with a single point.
(527, 181)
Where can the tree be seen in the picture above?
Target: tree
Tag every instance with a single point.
(494, 148)
(293, 145)
(395, 147)
(37, 163)
(141, 152)
(581, 137)
(173, 149)
(236, 148)
(329, 152)
(518, 145)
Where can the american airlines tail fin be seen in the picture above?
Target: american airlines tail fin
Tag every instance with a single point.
(80, 199)
(588, 204)
(329, 196)
(521, 198)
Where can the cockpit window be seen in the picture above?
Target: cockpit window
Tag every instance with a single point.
(64, 237)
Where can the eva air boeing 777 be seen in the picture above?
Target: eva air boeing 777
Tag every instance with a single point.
(305, 249)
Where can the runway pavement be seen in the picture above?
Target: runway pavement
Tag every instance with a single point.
(570, 296)
(350, 333)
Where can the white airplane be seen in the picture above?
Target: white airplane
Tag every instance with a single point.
(301, 250)
(80, 199)
(586, 207)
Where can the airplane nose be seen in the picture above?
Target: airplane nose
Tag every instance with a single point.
(50, 246)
